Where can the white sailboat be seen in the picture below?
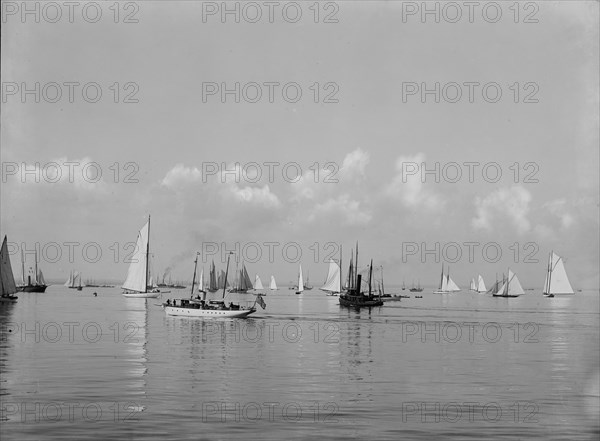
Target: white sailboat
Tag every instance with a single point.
(447, 285)
(333, 284)
(273, 285)
(7, 279)
(557, 281)
(258, 283)
(74, 280)
(300, 282)
(139, 282)
(472, 286)
(480, 285)
(511, 287)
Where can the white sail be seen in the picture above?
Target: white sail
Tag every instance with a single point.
(40, 278)
(557, 281)
(137, 275)
(300, 280)
(481, 285)
(452, 286)
(472, 286)
(258, 283)
(444, 286)
(69, 281)
(332, 284)
(273, 285)
(200, 286)
(7, 278)
(512, 286)
(73, 280)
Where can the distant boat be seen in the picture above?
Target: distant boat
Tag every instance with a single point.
(480, 285)
(307, 285)
(212, 308)
(447, 285)
(74, 281)
(354, 297)
(243, 283)
(511, 287)
(213, 286)
(417, 289)
(35, 279)
(273, 285)
(403, 286)
(472, 286)
(139, 281)
(557, 281)
(333, 283)
(8, 286)
(300, 287)
(258, 283)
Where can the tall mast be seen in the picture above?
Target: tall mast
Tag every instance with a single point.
(550, 271)
(226, 271)
(370, 275)
(340, 268)
(147, 256)
(442, 277)
(194, 277)
(356, 271)
(36, 269)
(22, 267)
(382, 287)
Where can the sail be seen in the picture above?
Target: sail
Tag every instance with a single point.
(137, 275)
(273, 285)
(69, 281)
(444, 286)
(201, 281)
(73, 280)
(258, 283)
(245, 282)
(7, 278)
(557, 281)
(472, 286)
(451, 285)
(40, 278)
(300, 280)
(332, 284)
(481, 285)
(213, 285)
(511, 286)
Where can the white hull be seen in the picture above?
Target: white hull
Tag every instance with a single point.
(214, 313)
(142, 295)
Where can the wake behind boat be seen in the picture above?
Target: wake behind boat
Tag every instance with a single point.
(139, 282)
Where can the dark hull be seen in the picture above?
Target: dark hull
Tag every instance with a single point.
(33, 288)
(360, 301)
(504, 295)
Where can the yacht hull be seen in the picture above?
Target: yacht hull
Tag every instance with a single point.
(212, 313)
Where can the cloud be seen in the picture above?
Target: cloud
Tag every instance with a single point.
(558, 207)
(259, 196)
(181, 175)
(347, 210)
(355, 164)
(409, 188)
(504, 203)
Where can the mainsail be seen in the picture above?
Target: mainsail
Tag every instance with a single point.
(451, 286)
(300, 280)
(245, 282)
(258, 283)
(138, 273)
(472, 286)
(480, 285)
(273, 285)
(7, 278)
(213, 285)
(557, 281)
(74, 279)
(512, 286)
(333, 282)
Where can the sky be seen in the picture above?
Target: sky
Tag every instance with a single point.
(353, 146)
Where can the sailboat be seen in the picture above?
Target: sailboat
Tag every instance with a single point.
(480, 286)
(213, 286)
(417, 289)
(511, 287)
(7, 279)
(35, 279)
(212, 308)
(403, 285)
(557, 281)
(472, 286)
(447, 285)
(273, 285)
(74, 280)
(243, 284)
(333, 283)
(300, 287)
(307, 285)
(139, 281)
(354, 297)
(258, 283)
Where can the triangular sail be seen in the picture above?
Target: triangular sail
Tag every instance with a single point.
(201, 281)
(40, 278)
(557, 281)
(7, 278)
(258, 283)
(332, 284)
(513, 285)
(444, 286)
(481, 285)
(472, 286)
(300, 280)
(213, 285)
(245, 282)
(273, 285)
(137, 275)
(451, 285)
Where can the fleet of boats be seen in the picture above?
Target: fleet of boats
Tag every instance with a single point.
(360, 289)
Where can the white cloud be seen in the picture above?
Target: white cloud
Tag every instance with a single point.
(260, 196)
(504, 203)
(181, 175)
(558, 207)
(409, 187)
(355, 164)
(348, 209)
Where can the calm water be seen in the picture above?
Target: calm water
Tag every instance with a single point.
(78, 367)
